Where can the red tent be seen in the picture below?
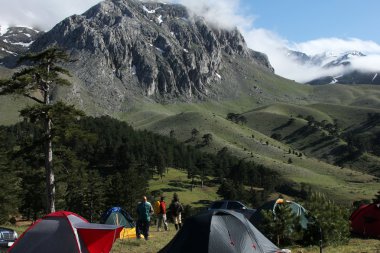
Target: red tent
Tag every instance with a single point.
(66, 232)
(366, 220)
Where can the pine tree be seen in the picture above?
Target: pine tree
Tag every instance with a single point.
(331, 218)
(194, 133)
(37, 83)
(207, 139)
(281, 225)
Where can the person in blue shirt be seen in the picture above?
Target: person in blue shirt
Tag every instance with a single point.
(144, 211)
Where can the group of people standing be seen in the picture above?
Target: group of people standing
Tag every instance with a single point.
(145, 211)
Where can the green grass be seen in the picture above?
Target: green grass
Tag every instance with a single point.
(355, 245)
(335, 181)
(157, 241)
(10, 107)
(176, 181)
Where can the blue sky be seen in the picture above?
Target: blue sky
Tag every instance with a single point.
(269, 26)
(303, 20)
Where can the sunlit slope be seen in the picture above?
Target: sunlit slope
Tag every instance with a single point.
(342, 183)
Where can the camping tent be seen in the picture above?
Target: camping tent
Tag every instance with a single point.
(297, 209)
(219, 231)
(118, 216)
(366, 220)
(66, 232)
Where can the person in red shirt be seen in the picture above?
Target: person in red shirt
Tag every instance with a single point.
(162, 215)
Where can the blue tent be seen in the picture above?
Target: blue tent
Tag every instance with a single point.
(118, 216)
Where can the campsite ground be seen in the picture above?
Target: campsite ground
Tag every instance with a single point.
(177, 181)
(159, 239)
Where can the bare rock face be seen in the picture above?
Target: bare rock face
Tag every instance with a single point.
(125, 48)
(15, 41)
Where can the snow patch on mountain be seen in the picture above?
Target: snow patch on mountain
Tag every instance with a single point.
(150, 11)
(373, 79)
(3, 29)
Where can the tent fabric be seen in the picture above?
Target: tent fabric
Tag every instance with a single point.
(99, 240)
(118, 216)
(297, 209)
(365, 220)
(221, 231)
(61, 232)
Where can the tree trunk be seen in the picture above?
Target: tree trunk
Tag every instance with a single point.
(50, 181)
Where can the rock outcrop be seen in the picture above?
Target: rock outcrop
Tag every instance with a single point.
(126, 48)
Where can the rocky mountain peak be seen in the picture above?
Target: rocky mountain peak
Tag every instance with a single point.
(16, 40)
(157, 49)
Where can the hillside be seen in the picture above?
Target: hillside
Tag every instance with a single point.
(271, 103)
(268, 111)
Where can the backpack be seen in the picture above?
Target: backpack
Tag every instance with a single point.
(156, 207)
(177, 208)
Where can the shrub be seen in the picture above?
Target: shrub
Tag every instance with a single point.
(331, 218)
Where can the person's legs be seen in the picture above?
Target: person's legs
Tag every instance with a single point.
(165, 222)
(175, 218)
(146, 229)
(159, 222)
(138, 229)
(179, 221)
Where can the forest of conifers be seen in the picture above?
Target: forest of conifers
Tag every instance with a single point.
(102, 162)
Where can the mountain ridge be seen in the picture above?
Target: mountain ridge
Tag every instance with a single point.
(341, 63)
(130, 48)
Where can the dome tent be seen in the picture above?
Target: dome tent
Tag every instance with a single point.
(120, 217)
(66, 232)
(296, 208)
(219, 231)
(365, 220)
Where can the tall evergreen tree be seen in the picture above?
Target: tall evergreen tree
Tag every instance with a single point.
(37, 83)
(8, 183)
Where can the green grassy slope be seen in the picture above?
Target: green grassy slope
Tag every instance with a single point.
(176, 181)
(343, 183)
(268, 102)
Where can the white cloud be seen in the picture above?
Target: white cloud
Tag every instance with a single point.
(223, 13)
(40, 13)
(337, 45)
(371, 63)
(274, 46)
